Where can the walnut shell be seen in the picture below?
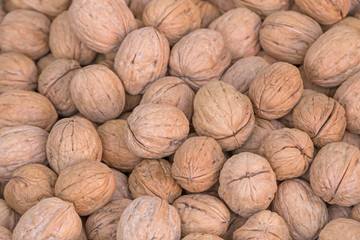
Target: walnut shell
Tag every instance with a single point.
(197, 163)
(71, 140)
(28, 185)
(340, 228)
(202, 213)
(227, 115)
(267, 57)
(153, 178)
(43, 62)
(8, 217)
(10, 5)
(333, 57)
(149, 217)
(138, 68)
(350, 22)
(49, 7)
(355, 212)
(137, 7)
(236, 222)
(304, 213)
(199, 67)
(20, 107)
(155, 130)
(351, 138)
(19, 146)
(240, 29)
(276, 90)
(97, 93)
(287, 35)
(26, 32)
(223, 5)
(17, 71)
(89, 185)
(112, 18)
(51, 218)
(263, 225)
(336, 211)
(122, 186)
(173, 18)
(247, 183)
(201, 236)
(263, 8)
(5, 233)
(208, 12)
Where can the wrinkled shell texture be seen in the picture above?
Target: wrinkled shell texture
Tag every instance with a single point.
(17, 71)
(304, 213)
(288, 35)
(72, 140)
(247, 184)
(208, 12)
(25, 31)
(336, 211)
(334, 174)
(240, 29)
(51, 218)
(276, 90)
(122, 186)
(5, 233)
(43, 62)
(236, 222)
(355, 212)
(312, 86)
(263, 8)
(202, 213)
(8, 217)
(197, 164)
(226, 115)
(138, 68)
(48, 7)
(199, 57)
(155, 130)
(173, 18)
(149, 218)
(340, 228)
(350, 22)
(19, 146)
(201, 236)
(112, 18)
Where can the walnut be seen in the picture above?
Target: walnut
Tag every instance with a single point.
(122, 186)
(137, 7)
(355, 212)
(155, 130)
(336, 211)
(263, 8)
(89, 185)
(5, 233)
(311, 86)
(43, 62)
(10, 5)
(138, 68)
(97, 93)
(340, 228)
(44, 217)
(208, 12)
(112, 18)
(26, 32)
(131, 101)
(240, 29)
(48, 7)
(227, 115)
(304, 212)
(287, 35)
(173, 18)
(201, 236)
(8, 217)
(236, 222)
(17, 71)
(71, 140)
(197, 163)
(351, 138)
(149, 217)
(350, 22)
(267, 57)
(223, 5)
(276, 90)
(202, 213)
(199, 57)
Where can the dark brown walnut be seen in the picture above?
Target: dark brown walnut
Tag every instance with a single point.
(89, 185)
(137, 7)
(51, 218)
(137, 68)
(336, 211)
(171, 91)
(43, 62)
(289, 152)
(149, 217)
(276, 90)
(197, 163)
(153, 178)
(208, 12)
(112, 18)
(263, 8)
(223, 5)
(20, 107)
(97, 93)
(351, 138)
(199, 57)
(71, 140)
(340, 228)
(355, 212)
(236, 222)
(226, 115)
(17, 71)
(267, 57)
(173, 18)
(122, 186)
(247, 183)
(5, 233)
(349, 22)
(287, 35)
(28, 185)
(155, 130)
(202, 213)
(325, 12)
(240, 29)
(19, 146)
(334, 174)
(64, 43)
(321, 117)
(201, 236)
(304, 212)
(263, 225)
(8, 217)
(103, 223)
(54, 83)
(26, 32)
(333, 57)
(131, 101)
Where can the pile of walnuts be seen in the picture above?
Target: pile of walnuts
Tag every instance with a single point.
(179, 119)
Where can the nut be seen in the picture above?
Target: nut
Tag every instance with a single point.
(201, 236)
(43, 62)
(208, 12)
(355, 212)
(263, 8)
(336, 211)
(340, 228)
(122, 186)
(8, 217)
(311, 86)
(223, 5)
(5, 233)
